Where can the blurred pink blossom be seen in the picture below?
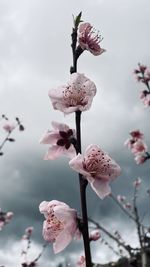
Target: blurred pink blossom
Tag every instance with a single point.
(137, 182)
(29, 230)
(139, 147)
(60, 139)
(121, 198)
(60, 226)
(81, 262)
(136, 134)
(128, 205)
(139, 159)
(9, 127)
(95, 235)
(5, 217)
(9, 216)
(147, 74)
(145, 96)
(76, 95)
(89, 39)
(98, 168)
(129, 143)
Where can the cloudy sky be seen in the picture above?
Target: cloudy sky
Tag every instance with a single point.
(35, 55)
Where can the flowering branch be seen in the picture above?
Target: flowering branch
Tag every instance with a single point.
(122, 207)
(27, 237)
(128, 248)
(143, 76)
(9, 128)
(138, 147)
(110, 247)
(83, 182)
(95, 167)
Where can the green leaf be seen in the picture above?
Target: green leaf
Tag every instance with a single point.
(77, 20)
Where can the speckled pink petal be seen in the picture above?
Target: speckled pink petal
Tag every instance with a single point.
(47, 232)
(114, 169)
(65, 213)
(45, 206)
(77, 164)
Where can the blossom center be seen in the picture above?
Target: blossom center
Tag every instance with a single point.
(66, 138)
(54, 226)
(75, 96)
(96, 164)
(90, 37)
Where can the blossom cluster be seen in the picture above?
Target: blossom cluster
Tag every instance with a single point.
(143, 75)
(137, 146)
(5, 217)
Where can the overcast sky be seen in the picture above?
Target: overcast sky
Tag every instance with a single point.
(35, 55)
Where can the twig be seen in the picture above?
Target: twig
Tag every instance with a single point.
(126, 247)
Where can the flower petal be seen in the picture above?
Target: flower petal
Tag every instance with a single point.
(71, 152)
(54, 152)
(77, 164)
(101, 187)
(62, 241)
(60, 126)
(50, 137)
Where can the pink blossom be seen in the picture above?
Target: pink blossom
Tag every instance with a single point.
(137, 182)
(60, 225)
(95, 235)
(143, 94)
(81, 262)
(60, 139)
(76, 95)
(139, 147)
(147, 72)
(29, 230)
(136, 134)
(142, 68)
(98, 168)
(5, 218)
(146, 100)
(9, 216)
(9, 127)
(139, 159)
(89, 39)
(128, 205)
(129, 143)
(121, 198)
